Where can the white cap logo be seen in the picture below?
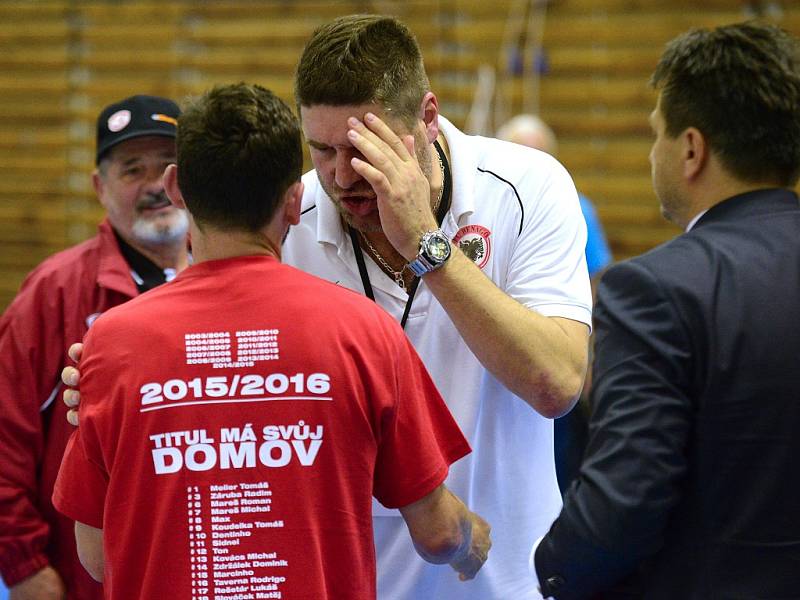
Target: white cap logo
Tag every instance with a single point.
(119, 120)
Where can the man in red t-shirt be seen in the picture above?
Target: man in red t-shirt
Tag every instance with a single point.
(236, 422)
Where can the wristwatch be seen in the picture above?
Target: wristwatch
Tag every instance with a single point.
(434, 250)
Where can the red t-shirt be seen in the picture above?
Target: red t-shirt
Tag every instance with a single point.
(235, 424)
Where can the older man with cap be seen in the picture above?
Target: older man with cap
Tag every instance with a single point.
(140, 244)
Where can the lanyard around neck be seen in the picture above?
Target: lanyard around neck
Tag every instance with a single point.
(412, 289)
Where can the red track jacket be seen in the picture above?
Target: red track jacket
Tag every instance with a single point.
(54, 308)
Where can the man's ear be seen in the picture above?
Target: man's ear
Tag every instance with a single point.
(694, 152)
(171, 186)
(293, 202)
(98, 183)
(429, 113)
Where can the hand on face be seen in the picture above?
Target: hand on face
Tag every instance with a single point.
(391, 168)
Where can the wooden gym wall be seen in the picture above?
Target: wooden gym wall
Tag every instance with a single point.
(61, 62)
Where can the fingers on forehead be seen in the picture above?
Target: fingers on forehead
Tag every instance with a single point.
(386, 134)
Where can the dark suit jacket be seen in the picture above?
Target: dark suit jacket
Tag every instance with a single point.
(691, 479)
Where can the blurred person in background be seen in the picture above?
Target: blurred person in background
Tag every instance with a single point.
(140, 244)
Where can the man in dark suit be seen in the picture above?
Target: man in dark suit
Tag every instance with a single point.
(690, 487)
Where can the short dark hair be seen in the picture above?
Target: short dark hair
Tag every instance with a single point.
(740, 86)
(239, 149)
(363, 59)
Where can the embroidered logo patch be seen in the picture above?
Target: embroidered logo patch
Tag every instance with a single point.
(473, 240)
(119, 120)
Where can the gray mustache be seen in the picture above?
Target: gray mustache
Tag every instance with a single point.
(153, 200)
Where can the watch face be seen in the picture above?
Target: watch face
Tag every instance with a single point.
(437, 247)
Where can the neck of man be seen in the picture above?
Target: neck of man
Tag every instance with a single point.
(165, 256)
(210, 243)
(710, 191)
(379, 241)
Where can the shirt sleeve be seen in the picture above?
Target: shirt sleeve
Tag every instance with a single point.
(33, 351)
(81, 486)
(420, 440)
(82, 481)
(547, 269)
(641, 420)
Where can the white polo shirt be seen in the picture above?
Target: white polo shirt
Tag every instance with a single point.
(515, 212)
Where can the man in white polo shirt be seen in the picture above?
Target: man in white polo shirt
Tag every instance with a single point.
(502, 324)
(476, 246)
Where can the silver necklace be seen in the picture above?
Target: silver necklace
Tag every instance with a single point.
(398, 275)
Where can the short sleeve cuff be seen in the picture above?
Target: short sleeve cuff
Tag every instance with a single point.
(80, 487)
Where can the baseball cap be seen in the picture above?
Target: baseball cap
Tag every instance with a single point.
(135, 117)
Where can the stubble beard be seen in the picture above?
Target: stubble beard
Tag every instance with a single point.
(356, 223)
(672, 205)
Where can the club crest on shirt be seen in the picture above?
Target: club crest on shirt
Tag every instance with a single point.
(473, 240)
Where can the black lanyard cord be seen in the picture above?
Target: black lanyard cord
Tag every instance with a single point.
(362, 267)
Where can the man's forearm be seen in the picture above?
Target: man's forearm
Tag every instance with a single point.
(435, 524)
(456, 544)
(24, 532)
(541, 359)
(44, 584)
(444, 530)
(89, 541)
